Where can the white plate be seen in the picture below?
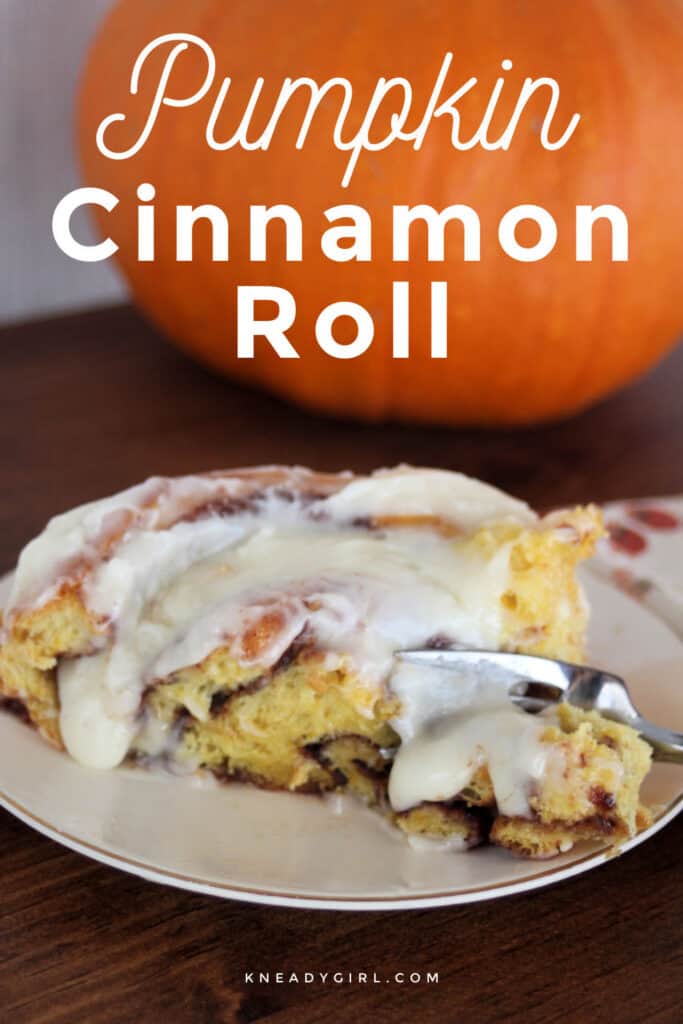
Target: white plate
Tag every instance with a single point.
(293, 850)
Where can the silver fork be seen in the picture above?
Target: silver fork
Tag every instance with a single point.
(536, 683)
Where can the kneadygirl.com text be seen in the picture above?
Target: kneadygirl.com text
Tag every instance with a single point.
(340, 978)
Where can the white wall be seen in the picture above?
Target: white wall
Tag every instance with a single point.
(42, 45)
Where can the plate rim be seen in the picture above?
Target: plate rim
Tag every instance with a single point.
(267, 897)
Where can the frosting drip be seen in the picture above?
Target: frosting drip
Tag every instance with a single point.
(455, 722)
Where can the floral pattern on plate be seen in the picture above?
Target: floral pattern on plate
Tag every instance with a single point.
(643, 554)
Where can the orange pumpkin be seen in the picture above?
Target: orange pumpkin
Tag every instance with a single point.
(527, 341)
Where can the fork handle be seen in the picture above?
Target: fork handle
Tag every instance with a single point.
(666, 744)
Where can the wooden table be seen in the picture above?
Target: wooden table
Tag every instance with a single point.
(93, 403)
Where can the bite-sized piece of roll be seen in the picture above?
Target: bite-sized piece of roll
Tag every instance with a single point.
(246, 623)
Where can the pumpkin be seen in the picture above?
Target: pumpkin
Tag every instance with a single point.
(527, 341)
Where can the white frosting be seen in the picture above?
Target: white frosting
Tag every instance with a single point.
(358, 595)
(82, 534)
(94, 734)
(429, 492)
(172, 592)
(454, 722)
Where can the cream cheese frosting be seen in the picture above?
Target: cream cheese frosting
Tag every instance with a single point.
(177, 568)
(454, 722)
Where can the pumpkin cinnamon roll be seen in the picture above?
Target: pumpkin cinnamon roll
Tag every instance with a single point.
(245, 623)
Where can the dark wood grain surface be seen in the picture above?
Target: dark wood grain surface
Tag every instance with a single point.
(92, 403)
